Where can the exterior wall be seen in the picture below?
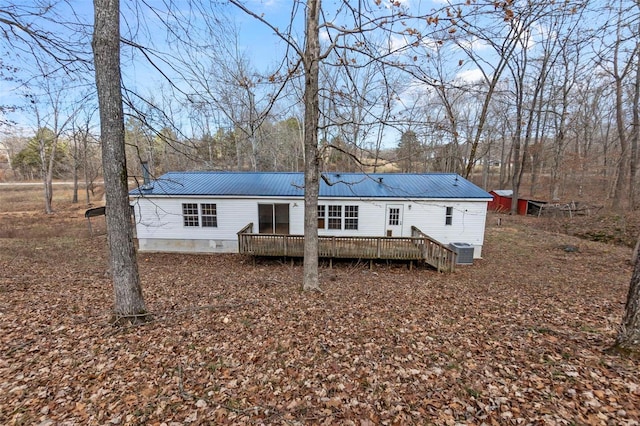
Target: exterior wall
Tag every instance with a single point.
(468, 221)
(159, 222)
(187, 246)
(499, 203)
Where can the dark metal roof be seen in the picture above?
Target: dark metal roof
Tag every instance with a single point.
(332, 185)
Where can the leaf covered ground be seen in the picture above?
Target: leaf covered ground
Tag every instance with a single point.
(520, 337)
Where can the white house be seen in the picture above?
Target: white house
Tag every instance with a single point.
(202, 212)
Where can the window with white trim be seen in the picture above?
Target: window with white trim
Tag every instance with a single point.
(190, 214)
(205, 215)
(338, 217)
(209, 214)
(351, 217)
(322, 216)
(335, 217)
(448, 216)
(394, 216)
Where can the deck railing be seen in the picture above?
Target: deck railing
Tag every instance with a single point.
(418, 247)
(435, 253)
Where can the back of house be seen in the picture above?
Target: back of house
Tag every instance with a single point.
(202, 212)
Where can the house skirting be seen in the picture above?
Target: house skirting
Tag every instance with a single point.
(166, 245)
(187, 246)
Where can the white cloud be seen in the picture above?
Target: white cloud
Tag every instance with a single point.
(535, 35)
(397, 43)
(431, 43)
(403, 3)
(267, 3)
(474, 44)
(400, 43)
(324, 36)
(470, 76)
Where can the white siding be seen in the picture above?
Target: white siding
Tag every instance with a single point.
(369, 221)
(161, 218)
(159, 222)
(468, 222)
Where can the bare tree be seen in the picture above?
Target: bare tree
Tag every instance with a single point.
(357, 104)
(341, 39)
(628, 337)
(224, 82)
(53, 112)
(619, 66)
(311, 60)
(11, 145)
(129, 306)
(41, 31)
(635, 132)
(81, 136)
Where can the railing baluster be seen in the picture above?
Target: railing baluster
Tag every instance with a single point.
(417, 247)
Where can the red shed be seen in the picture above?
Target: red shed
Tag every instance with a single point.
(502, 202)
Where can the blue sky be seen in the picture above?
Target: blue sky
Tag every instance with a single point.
(257, 41)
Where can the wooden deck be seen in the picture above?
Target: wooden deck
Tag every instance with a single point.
(419, 247)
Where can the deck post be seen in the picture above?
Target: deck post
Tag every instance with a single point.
(333, 246)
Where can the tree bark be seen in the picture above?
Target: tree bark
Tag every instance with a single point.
(129, 304)
(629, 333)
(49, 178)
(623, 165)
(74, 200)
(85, 163)
(43, 175)
(311, 162)
(46, 170)
(635, 137)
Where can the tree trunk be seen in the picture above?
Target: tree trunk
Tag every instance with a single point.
(75, 170)
(85, 164)
(623, 165)
(634, 253)
(311, 162)
(629, 333)
(49, 178)
(129, 304)
(635, 137)
(44, 173)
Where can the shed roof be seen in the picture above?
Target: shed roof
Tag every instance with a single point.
(503, 192)
(332, 185)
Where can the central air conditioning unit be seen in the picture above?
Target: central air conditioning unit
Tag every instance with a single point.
(464, 251)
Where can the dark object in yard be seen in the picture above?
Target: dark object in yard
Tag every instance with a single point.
(97, 211)
(570, 248)
(464, 253)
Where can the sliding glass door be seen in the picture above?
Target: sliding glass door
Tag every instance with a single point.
(273, 218)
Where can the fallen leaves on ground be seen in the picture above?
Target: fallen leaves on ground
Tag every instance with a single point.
(517, 338)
